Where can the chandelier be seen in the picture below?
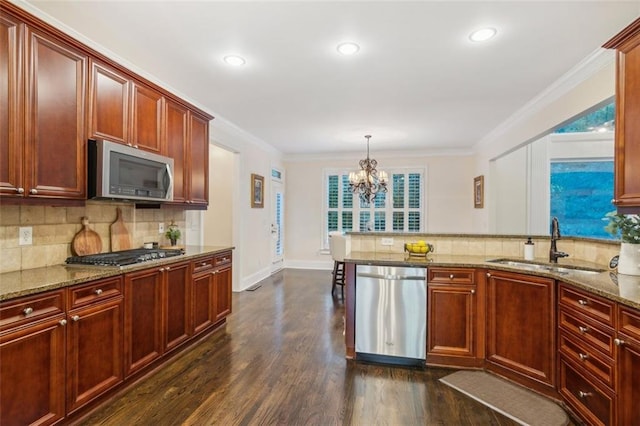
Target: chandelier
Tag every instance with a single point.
(367, 181)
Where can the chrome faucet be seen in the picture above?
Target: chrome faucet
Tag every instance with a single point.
(554, 254)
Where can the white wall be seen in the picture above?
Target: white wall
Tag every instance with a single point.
(218, 218)
(449, 198)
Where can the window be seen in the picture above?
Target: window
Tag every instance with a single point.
(399, 209)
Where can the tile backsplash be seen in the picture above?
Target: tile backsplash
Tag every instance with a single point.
(53, 229)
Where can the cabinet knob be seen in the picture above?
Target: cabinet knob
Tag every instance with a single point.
(488, 274)
(582, 394)
(75, 318)
(450, 276)
(161, 269)
(583, 357)
(63, 322)
(33, 191)
(135, 146)
(583, 302)
(98, 291)
(20, 190)
(168, 268)
(27, 311)
(618, 342)
(128, 144)
(473, 292)
(583, 329)
(203, 264)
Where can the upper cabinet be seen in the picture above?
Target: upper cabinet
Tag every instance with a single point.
(42, 127)
(124, 110)
(627, 146)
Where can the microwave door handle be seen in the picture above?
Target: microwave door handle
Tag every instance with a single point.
(170, 188)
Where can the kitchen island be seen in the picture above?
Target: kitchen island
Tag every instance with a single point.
(570, 334)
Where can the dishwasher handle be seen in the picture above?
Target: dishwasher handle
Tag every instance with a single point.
(392, 277)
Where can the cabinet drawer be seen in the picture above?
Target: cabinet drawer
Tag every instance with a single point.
(222, 258)
(594, 404)
(588, 331)
(591, 360)
(94, 291)
(451, 275)
(587, 304)
(203, 264)
(629, 322)
(28, 309)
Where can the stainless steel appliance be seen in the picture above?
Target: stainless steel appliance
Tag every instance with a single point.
(391, 314)
(123, 257)
(123, 172)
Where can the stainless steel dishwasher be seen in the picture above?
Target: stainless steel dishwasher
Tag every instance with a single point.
(391, 314)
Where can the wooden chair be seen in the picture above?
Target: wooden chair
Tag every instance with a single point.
(338, 246)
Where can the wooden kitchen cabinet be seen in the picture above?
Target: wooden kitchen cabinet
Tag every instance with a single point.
(108, 103)
(146, 119)
(177, 147)
(199, 160)
(177, 315)
(521, 329)
(143, 334)
(222, 287)
(627, 133)
(455, 312)
(628, 344)
(211, 290)
(42, 131)
(32, 367)
(94, 341)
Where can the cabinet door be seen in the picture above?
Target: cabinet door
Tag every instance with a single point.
(94, 351)
(11, 98)
(452, 319)
(177, 305)
(147, 118)
(142, 319)
(32, 374)
(175, 142)
(628, 381)
(203, 301)
(55, 154)
(222, 293)
(521, 330)
(199, 160)
(108, 104)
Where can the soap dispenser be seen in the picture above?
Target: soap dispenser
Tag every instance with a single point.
(528, 249)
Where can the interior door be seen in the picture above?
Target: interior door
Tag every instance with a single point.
(277, 225)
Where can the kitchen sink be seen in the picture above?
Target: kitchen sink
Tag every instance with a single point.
(545, 267)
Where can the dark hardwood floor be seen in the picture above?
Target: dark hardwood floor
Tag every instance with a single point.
(280, 360)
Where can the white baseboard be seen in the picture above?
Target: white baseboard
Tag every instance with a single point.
(309, 264)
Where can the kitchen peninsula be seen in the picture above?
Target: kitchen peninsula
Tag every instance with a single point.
(566, 331)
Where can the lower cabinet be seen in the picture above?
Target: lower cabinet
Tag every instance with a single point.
(521, 329)
(628, 343)
(32, 360)
(94, 341)
(455, 317)
(222, 292)
(177, 316)
(211, 290)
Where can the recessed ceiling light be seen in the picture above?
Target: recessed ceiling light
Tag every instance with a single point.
(483, 34)
(234, 60)
(348, 48)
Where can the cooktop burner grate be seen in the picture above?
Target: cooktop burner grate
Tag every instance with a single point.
(124, 257)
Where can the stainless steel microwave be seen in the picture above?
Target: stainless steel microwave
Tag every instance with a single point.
(118, 171)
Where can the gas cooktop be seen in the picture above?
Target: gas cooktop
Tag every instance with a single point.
(123, 258)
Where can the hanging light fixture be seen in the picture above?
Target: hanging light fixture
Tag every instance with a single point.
(368, 182)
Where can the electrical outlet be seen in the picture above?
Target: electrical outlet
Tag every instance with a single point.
(387, 241)
(25, 236)
(161, 228)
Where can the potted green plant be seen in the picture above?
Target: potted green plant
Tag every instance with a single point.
(627, 227)
(173, 233)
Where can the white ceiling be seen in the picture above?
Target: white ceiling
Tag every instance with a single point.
(417, 83)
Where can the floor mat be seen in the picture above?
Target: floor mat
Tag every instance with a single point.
(515, 402)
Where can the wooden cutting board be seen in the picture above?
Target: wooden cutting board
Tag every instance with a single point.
(120, 238)
(86, 241)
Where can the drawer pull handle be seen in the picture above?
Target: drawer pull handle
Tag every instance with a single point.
(583, 357)
(618, 342)
(27, 311)
(583, 302)
(98, 291)
(63, 322)
(203, 264)
(224, 259)
(451, 276)
(582, 394)
(75, 318)
(583, 329)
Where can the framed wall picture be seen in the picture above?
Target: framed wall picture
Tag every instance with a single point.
(478, 192)
(257, 191)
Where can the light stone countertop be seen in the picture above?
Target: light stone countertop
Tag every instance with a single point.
(32, 281)
(624, 289)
